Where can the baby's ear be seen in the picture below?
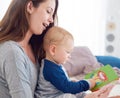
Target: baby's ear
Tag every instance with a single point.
(52, 49)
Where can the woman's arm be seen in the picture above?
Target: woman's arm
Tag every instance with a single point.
(16, 75)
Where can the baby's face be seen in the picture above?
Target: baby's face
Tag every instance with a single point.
(63, 51)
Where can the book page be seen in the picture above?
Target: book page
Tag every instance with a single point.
(115, 91)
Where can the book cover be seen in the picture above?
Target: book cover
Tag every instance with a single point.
(103, 76)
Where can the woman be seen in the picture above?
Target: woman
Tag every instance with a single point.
(20, 30)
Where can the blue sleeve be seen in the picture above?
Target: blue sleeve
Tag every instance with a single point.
(58, 78)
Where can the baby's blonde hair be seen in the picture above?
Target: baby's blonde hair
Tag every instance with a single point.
(56, 35)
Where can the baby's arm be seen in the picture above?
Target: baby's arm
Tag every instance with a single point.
(62, 83)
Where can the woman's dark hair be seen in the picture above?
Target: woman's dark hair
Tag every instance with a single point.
(37, 40)
(14, 24)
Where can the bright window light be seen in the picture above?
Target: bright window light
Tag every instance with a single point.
(85, 19)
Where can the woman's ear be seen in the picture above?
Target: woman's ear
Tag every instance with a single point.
(30, 7)
(52, 49)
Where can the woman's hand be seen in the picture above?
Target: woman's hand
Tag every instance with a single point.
(102, 93)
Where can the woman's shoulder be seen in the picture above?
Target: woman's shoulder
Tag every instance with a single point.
(8, 44)
(10, 47)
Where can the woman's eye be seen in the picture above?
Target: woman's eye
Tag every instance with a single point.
(68, 52)
(48, 12)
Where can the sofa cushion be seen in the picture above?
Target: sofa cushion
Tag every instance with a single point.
(81, 62)
(112, 60)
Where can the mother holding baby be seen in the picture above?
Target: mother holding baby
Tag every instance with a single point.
(21, 31)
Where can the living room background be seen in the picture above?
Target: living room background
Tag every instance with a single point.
(89, 21)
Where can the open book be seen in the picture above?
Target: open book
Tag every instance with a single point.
(103, 76)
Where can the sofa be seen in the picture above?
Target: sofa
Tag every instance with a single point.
(82, 61)
(112, 60)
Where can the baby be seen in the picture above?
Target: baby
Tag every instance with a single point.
(53, 80)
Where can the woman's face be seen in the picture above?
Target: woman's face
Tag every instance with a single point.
(41, 16)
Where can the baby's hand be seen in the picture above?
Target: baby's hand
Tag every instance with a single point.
(92, 83)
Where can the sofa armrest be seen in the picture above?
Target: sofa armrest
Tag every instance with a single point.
(112, 60)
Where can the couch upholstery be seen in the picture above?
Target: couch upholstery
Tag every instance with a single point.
(82, 61)
(112, 60)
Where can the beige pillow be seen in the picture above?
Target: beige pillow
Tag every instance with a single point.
(81, 62)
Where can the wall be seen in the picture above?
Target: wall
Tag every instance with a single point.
(112, 39)
(3, 7)
(85, 19)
